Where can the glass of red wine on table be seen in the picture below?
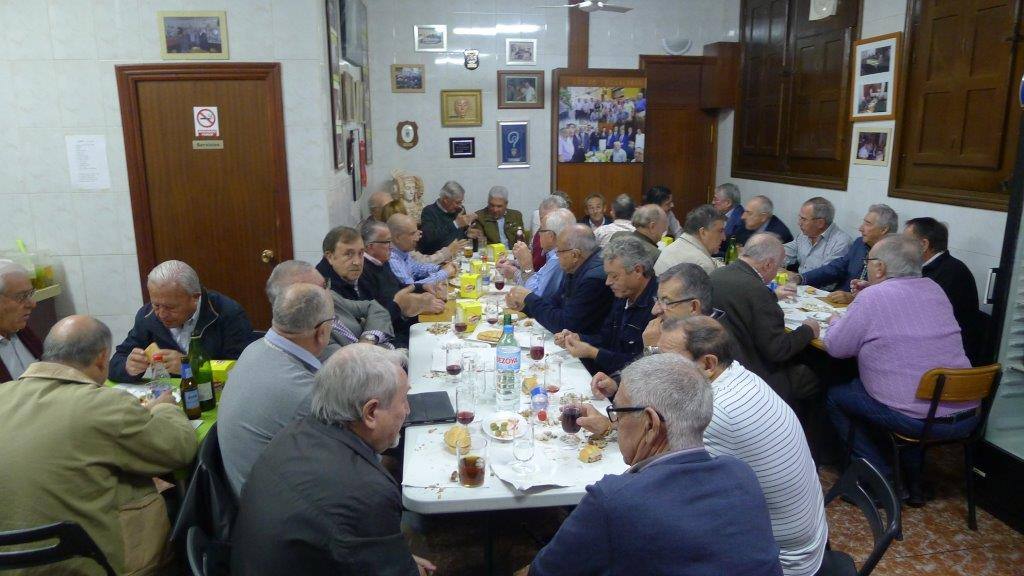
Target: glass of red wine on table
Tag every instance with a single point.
(492, 312)
(537, 348)
(465, 405)
(571, 412)
(499, 280)
(453, 361)
(460, 323)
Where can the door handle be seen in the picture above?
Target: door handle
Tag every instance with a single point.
(989, 285)
(267, 256)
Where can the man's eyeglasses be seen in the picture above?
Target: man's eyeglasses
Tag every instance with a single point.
(614, 411)
(669, 303)
(22, 297)
(560, 252)
(379, 242)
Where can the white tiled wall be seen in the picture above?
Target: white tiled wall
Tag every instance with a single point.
(57, 78)
(975, 236)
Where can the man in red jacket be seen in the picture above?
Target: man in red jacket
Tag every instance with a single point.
(19, 347)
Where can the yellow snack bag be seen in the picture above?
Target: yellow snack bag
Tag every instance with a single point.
(469, 285)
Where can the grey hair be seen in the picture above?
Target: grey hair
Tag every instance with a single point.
(371, 229)
(648, 214)
(822, 208)
(731, 191)
(558, 220)
(767, 207)
(631, 252)
(300, 308)
(764, 246)
(696, 283)
(10, 268)
(677, 389)
(285, 274)
(580, 237)
(353, 376)
(498, 192)
(452, 189)
(623, 207)
(78, 348)
(175, 273)
(887, 217)
(901, 256)
(702, 216)
(553, 202)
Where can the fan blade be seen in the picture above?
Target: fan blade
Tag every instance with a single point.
(613, 8)
(561, 6)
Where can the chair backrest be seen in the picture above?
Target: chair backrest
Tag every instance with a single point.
(207, 557)
(209, 501)
(958, 384)
(72, 542)
(864, 485)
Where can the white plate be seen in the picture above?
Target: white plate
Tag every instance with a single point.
(497, 417)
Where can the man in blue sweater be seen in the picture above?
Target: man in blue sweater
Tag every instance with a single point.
(677, 510)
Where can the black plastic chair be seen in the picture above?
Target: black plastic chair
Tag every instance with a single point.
(863, 485)
(209, 501)
(206, 557)
(72, 542)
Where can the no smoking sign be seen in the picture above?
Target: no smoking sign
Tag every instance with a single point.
(207, 121)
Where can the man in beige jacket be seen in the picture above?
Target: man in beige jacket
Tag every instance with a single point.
(703, 233)
(74, 449)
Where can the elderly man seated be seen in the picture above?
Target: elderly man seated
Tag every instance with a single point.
(758, 217)
(683, 290)
(755, 320)
(583, 300)
(446, 221)
(318, 501)
(662, 196)
(649, 225)
(900, 327)
(383, 206)
(499, 223)
(404, 236)
(820, 240)
(677, 510)
(702, 235)
(272, 381)
(727, 202)
(77, 450)
(622, 211)
(548, 279)
(849, 272)
(19, 346)
(179, 307)
(537, 252)
(596, 216)
(629, 268)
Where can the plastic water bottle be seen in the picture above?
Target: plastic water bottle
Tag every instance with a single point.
(507, 361)
(161, 381)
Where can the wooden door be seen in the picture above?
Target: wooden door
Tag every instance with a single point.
(222, 210)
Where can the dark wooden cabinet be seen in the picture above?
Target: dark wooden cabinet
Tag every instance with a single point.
(720, 75)
(792, 119)
(959, 121)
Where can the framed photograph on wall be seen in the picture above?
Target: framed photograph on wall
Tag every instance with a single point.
(334, 73)
(354, 38)
(462, 147)
(871, 146)
(408, 78)
(461, 108)
(520, 89)
(430, 38)
(602, 122)
(513, 144)
(193, 35)
(520, 52)
(874, 77)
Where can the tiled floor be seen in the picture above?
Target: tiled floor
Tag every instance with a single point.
(936, 538)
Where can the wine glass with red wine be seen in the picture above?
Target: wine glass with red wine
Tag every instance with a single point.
(465, 405)
(460, 323)
(536, 348)
(453, 361)
(493, 313)
(571, 412)
(499, 280)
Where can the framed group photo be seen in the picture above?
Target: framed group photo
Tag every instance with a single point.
(874, 77)
(520, 89)
(871, 146)
(193, 35)
(408, 78)
(462, 108)
(604, 122)
(513, 144)
(430, 38)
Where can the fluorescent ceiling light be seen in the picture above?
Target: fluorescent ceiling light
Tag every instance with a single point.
(499, 29)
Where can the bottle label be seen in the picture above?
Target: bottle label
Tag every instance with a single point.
(508, 362)
(190, 398)
(205, 391)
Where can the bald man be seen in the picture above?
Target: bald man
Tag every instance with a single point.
(404, 237)
(101, 447)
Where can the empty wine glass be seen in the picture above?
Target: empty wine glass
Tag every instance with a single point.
(523, 450)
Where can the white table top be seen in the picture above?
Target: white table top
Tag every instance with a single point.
(428, 466)
(809, 304)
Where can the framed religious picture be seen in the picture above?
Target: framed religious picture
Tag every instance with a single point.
(874, 77)
(462, 147)
(520, 52)
(193, 35)
(461, 108)
(871, 146)
(430, 38)
(513, 144)
(602, 122)
(408, 78)
(520, 89)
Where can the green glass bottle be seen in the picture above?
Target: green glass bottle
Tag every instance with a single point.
(732, 253)
(202, 372)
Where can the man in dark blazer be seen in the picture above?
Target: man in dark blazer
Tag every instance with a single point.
(446, 220)
(179, 308)
(759, 217)
(755, 320)
(596, 215)
(584, 299)
(498, 222)
(19, 346)
(318, 500)
(953, 276)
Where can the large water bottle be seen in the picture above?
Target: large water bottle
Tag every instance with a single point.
(161, 380)
(507, 361)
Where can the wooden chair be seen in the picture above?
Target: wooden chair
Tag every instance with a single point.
(953, 385)
(72, 542)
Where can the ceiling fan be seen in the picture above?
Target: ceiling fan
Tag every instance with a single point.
(593, 6)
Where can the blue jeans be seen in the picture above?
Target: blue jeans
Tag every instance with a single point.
(852, 401)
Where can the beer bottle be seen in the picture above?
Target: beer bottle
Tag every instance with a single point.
(520, 236)
(732, 253)
(189, 393)
(202, 373)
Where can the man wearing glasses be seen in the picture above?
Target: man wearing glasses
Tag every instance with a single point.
(19, 347)
(668, 513)
(548, 279)
(820, 240)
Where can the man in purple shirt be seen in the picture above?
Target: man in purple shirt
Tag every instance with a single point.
(899, 327)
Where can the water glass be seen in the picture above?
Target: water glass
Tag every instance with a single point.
(523, 448)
